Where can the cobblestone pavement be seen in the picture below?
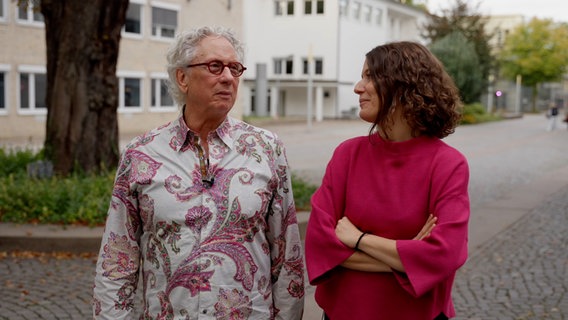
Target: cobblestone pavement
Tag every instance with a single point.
(522, 273)
(44, 286)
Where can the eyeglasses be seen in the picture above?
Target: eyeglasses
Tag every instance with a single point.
(216, 67)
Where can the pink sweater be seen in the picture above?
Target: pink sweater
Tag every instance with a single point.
(388, 189)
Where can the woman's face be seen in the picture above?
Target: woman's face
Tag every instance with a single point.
(368, 96)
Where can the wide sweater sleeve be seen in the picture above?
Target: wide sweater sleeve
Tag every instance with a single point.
(435, 259)
(323, 249)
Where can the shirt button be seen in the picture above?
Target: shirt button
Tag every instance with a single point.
(204, 311)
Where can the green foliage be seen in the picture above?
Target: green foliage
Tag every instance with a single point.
(303, 192)
(461, 62)
(475, 113)
(16, 160)
(464, 17)
(538, 51)
(77, 199)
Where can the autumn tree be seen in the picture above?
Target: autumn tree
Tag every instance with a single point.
(466, 19)
(538, 52)
(82, 40)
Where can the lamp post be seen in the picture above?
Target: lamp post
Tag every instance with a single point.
(310, 87)
(490, 93)
(518, 95)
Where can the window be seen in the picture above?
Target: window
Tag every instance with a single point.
(343, 8)
(160, 96)
(133, 23)
(3, 90)
(283, 66)
(130, 91)
(164, 22)
(33, 85)
(318, 65)
(379, 17)
(307, 7)
(356, 10)
(29, 14)
(319, 7)
(368, 13)
(3, 6)
(284, 7)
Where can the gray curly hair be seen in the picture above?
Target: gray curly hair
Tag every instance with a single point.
(184, 48)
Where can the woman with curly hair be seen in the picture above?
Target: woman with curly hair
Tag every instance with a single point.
(389, 223)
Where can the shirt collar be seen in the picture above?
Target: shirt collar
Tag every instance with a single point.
(183, 136)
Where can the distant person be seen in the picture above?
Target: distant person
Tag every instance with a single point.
(202, 210)
(389, 224)
(552, 115)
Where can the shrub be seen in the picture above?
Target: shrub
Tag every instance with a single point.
(78, 199)
(303, 192)
(475, 113)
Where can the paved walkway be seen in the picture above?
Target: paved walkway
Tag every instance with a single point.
(518, 266)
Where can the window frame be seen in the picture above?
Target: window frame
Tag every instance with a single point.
(5, 71)
(282, 65)
(318, 3)
(308, 7)
(4, 11)
(122, 76)
(317, 66)
(30, 16)
(32, 71)
(367, 13)
(379, 16)
(283, 8)
(155, 89)
(159, 34)
(355, 10)
(129, 34)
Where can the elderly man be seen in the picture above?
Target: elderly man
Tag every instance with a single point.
(202, 207)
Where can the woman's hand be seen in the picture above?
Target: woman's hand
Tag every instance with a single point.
(427, 228)
(346, 232)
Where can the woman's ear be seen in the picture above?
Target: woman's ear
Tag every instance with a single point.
(181, 79)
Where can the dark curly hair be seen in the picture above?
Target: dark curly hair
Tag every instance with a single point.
(407, 75)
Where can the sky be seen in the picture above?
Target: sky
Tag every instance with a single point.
(556, 10)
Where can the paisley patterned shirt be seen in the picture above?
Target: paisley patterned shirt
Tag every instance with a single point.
(230, 250)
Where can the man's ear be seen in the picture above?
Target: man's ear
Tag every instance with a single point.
(181, 79)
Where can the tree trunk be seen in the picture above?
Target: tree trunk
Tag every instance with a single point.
(82, 39)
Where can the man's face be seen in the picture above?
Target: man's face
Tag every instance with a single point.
(208, 94)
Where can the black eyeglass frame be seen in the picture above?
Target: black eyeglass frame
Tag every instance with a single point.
(239, 71)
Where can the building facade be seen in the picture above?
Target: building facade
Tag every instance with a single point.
(310, 52)
(143, 100)
(303, 57)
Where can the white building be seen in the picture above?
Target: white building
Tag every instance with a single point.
(283, 35)
(280, 37)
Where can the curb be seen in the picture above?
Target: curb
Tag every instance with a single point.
(74, 239)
